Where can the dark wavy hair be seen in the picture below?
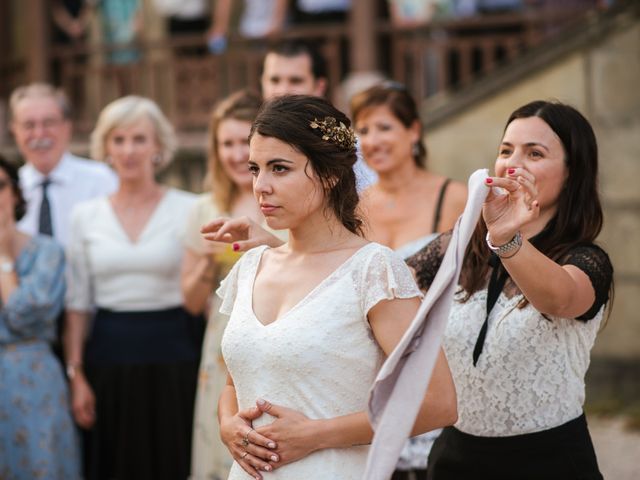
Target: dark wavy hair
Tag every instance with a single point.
(578, 218)
(288, 119)
(12, 172)
(295, 48)
(399, 101)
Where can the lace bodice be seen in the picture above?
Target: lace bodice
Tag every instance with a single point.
(319, 358)
(530, 376)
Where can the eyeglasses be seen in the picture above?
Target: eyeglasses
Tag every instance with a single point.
(46, 124)
(393, 85)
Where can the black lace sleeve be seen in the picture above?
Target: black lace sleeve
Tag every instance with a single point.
(426, 262)
(595, 262)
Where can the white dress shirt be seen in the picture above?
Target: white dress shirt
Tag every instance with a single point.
(73, 180)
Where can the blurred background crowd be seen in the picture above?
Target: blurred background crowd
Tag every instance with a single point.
(193, 73)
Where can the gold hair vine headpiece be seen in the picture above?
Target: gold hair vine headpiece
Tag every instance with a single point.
(334, 132)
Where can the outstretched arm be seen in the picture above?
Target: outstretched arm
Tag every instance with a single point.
(563, 291)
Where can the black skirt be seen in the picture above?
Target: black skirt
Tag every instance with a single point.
(561, 453)
(143, 369)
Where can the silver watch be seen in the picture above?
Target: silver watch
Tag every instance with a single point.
(507, 250)
(6, 265)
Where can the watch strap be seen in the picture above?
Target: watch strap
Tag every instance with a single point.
(507, 250)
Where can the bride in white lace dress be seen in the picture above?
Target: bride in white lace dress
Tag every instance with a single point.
(312, 320)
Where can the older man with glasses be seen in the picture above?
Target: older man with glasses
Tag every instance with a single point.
(52, 179)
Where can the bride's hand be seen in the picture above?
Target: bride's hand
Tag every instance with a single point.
(291, 430)
(243, 232)
(506, 212)
(252, 450)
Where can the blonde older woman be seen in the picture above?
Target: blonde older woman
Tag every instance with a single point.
(135, 393)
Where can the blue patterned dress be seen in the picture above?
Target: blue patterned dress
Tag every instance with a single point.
(37, 436)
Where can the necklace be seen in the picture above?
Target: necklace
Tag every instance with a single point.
(390, 201)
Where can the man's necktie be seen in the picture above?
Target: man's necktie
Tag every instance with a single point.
(44, 224)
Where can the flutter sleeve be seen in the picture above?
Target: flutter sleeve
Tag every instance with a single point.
(34, 305)
(595, 262)
(386, 277)
(79, 287)
(426, 262)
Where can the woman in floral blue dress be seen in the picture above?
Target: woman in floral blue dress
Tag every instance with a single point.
(37, 437)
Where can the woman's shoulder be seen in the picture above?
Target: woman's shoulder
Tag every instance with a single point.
(384, 275)
(456, 192)
(377, 249)
(426, 262)
(368, 196)
(181, 197)
(253, 255)
(247, 261)
(206, 205)
(90, 208)
(376, 255)
(592, 259)
(588, 249)
(452, 199)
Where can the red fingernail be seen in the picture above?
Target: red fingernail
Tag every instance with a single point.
(511, 171)
(236, 247)
(489, 180)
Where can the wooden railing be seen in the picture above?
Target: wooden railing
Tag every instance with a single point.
(179, 74)
(186, 81)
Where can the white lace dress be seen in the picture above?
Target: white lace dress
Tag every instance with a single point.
(530, 374)
(320, 357)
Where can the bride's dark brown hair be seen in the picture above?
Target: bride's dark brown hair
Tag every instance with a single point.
(288, 119)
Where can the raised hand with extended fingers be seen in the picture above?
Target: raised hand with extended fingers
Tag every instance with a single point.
(511, 204)
(242, 232)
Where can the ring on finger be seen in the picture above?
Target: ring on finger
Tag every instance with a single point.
(245, 440)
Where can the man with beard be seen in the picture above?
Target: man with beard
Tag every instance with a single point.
(53, 180)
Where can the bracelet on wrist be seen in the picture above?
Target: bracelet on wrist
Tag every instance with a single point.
(507, 250)
(72, 370)
(7, 264)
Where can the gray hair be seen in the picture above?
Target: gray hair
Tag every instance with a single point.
(40, 90)
(127, 111)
